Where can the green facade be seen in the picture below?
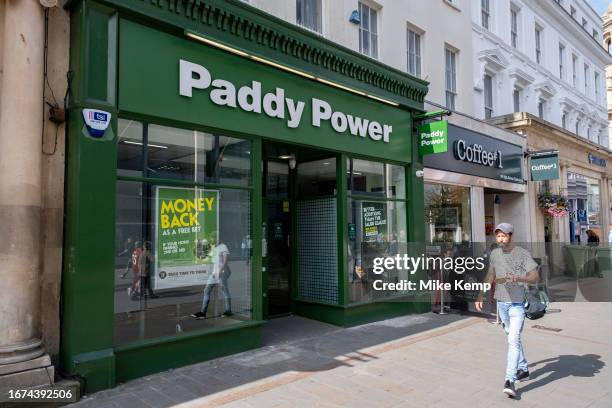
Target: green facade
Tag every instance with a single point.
(124, 60)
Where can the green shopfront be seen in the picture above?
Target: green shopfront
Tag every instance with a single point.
(245, 164)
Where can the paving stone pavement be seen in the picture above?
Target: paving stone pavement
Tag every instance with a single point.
(410, 361)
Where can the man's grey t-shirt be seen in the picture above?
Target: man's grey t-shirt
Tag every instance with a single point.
(517, 262)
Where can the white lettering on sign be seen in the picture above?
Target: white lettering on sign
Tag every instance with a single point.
(541, 167)
(476, 154)
(250, 98)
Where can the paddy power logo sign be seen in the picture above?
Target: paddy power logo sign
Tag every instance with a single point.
(433, 137)
(276, 104)
(187, 230)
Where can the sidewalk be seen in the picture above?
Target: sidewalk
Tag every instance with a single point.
(410, 361)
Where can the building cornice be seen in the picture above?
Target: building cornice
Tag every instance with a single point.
(522, 120)
(232, 22)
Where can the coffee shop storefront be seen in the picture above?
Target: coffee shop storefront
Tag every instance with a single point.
(475, 185)
(209, 133)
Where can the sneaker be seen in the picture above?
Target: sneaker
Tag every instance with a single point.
(509, 389)
(199, 315)
(129, 291)
(227, 313)
(522, 375)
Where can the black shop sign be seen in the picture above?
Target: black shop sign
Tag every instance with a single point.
(479, 155)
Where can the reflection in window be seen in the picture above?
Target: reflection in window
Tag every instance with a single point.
(317, 178)
(173, 153)
(376, 179)
(447, 212)
(168, 265)
(375, 229)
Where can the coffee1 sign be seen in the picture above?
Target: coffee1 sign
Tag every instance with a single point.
(476, 154)
(276, 104)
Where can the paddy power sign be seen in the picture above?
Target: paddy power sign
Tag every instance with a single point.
(187, 222)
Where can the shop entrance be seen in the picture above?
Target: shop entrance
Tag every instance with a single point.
(292, 176)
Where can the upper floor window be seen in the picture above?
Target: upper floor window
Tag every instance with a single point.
(308, 13)
(595, 34)
(564, 120)
(596, 85)
(516, 100)
(538, 44)
(586, 79)
(514, 27)
(485, 13)
(414, 53)
(574, 70)
(541, 108)
(368, 31)
(561, 61)
(573, 12)
(451, 77)
(488, 96)
(584, 23)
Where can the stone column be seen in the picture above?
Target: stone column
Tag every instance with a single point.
(22, 359)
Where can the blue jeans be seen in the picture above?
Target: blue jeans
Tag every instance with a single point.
(226, 295)
(512, 316)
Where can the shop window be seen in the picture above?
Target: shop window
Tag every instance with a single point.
(317, 178)
(376, 179)
(368, 31)
(190, 155)
(173, 235)
(308, 14)
(583, 195)
(377, 228)
(447, 213)
(277, 179)
(130, 148)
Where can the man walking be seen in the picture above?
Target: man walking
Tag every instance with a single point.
(511, 267)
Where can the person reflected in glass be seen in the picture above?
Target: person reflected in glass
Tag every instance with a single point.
(218, 278)
(144, 266)
(127, 251)
(134, 289)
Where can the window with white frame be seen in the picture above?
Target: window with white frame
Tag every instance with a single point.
(574, 70)
(514, 26)
(485, 13)
(573, 12)
(577, 126)
(586, 79)
(516, 99)
(541, 108)
(596, 85)
(588, 132)
(309, 15)
(451, 77)
(414, 53)
(595, 34)
(584, 23)
(368, 31)
(561, 61)
(488, 96)
(538, 44)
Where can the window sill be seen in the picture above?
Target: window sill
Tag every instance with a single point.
(452, 5)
